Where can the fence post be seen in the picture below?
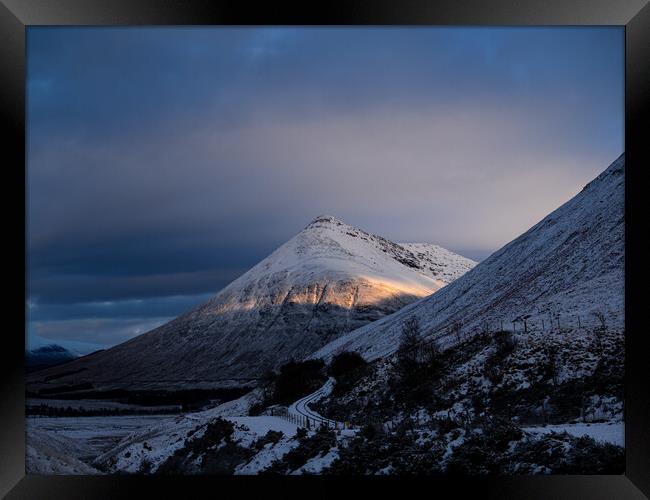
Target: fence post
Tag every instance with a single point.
(579, 326)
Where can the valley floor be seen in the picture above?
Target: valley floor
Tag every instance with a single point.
(259, 444)
(68, 445)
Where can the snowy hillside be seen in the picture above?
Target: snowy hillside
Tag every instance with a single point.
(558, 275)
(329, 279)
(515, 368)
(439, 262)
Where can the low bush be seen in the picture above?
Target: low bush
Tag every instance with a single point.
(345, 363)
(389, 453)
(564, 454)
(270, 437)
(214, 452)
(309, 447)
(297, 379)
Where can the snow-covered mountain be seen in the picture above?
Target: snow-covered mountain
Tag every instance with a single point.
(329, 279)
(562, 273)
(545, 399)
(517, 367)
(439, 262)
(47, 355)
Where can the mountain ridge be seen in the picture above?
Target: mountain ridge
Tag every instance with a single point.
(572, 262)
(46, 356)
(328, 279)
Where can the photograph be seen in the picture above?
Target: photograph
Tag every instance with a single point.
(325, 250)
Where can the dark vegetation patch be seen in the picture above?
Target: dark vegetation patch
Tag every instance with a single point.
(527, 386)
(417, 365)
(347, 368)
(549, 453)
(214, 452)
(423, 379)
(271, 437)
(550, 401)
(188, 400)
(53, 411)
(293, 381)
(377, 452)
(345, 363)
(318, 444)
(489, 446)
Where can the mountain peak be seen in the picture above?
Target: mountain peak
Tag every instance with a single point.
(326, 220)
(327, 280)
(48, 348)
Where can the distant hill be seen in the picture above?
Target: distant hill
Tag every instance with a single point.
(47, 356)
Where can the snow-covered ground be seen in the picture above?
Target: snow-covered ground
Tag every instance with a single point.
(96, 445)
(261, 425)
(605, 432)
(123, 441)
(95, 430)
(68, 445)
(439, 262)
(316, 464)
(155, 443)
(50, 453)
(269, 454)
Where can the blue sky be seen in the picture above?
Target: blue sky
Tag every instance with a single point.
(164, 162)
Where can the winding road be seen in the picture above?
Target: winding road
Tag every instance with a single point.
(311, 418)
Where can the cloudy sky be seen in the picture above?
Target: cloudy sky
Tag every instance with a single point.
(164, 162)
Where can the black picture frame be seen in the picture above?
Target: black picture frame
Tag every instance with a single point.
(17, 15)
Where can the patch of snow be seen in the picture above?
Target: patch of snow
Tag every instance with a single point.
(267, 455)
(316, 464)
(605, 432)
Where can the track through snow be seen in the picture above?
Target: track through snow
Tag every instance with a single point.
(311, 418)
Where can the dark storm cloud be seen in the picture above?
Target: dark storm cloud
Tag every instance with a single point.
(103, 332)
(171, 305)
(165, 162)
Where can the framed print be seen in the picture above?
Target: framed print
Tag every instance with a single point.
(367, 245)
